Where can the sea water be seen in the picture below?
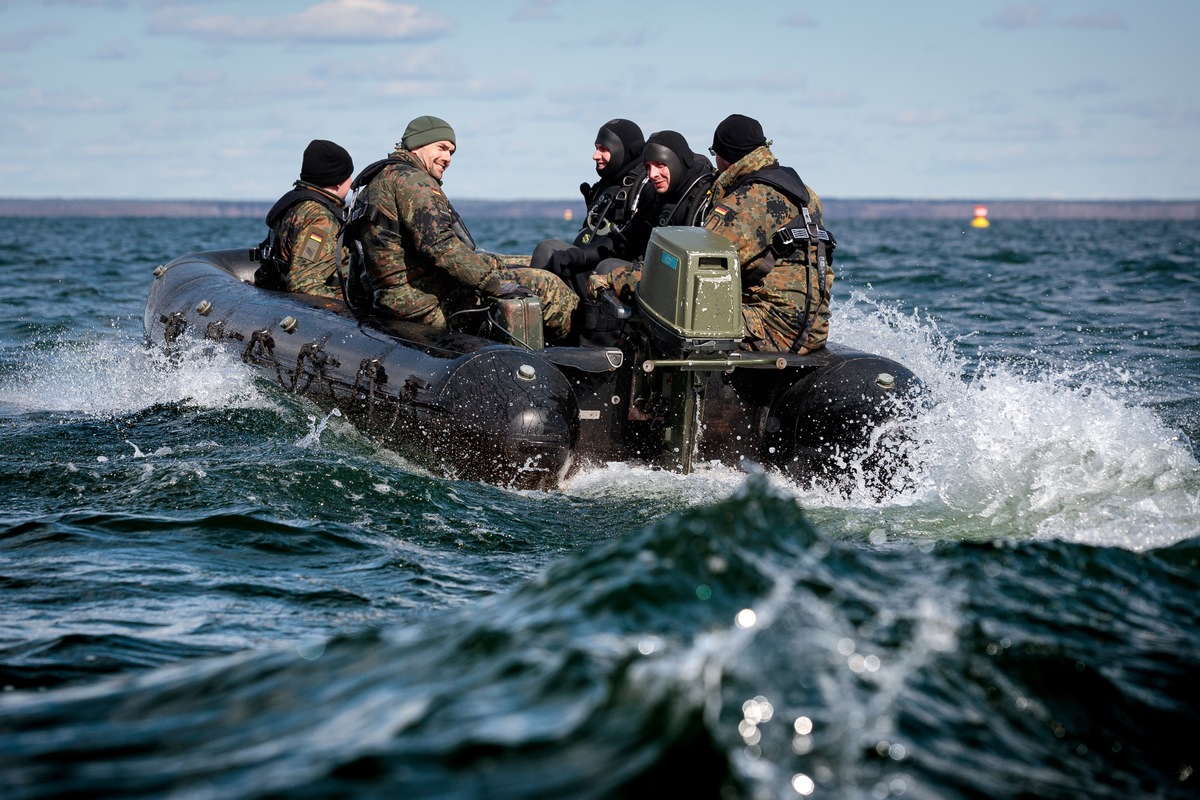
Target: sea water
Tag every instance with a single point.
(211, 588)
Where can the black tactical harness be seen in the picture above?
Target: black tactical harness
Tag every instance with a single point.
(791, 240)
(692, 205)
(272, 270)
(611, 208)
(362, 213)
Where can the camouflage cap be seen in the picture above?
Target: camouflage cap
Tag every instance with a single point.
(426, 130)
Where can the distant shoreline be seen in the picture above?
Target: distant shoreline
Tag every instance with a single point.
(835, 208)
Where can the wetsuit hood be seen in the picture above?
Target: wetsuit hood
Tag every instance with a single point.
(624, 141)
(670, 148)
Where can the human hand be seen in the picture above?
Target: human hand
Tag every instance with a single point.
(598, 285)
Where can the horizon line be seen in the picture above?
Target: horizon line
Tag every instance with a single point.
(844, 208)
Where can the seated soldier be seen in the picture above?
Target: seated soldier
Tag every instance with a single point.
(418, 261)
(301, 253)
(785, 284)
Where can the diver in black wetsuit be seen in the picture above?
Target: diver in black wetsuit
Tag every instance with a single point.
(617, 224)
(682, 180)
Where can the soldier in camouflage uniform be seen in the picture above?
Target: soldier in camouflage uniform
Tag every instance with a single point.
(785, 295)
(785, 290)
(419, 259)
(301, 253)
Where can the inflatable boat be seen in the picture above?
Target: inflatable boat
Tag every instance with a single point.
(486, 401)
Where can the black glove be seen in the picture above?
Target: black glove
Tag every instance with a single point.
(510, 289)
(565, 263)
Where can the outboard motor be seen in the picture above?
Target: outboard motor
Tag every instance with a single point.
(694, 394)
(690, 293)
(690, 298)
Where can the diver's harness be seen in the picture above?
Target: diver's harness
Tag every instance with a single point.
(795, 237)
(693, 214)
(613, 208)
(354, 285)
(272, 270)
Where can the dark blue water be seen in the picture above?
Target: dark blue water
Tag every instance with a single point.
(208, 588)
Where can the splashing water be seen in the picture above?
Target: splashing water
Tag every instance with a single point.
(1040, 451)
(312, 439)
(119, 376)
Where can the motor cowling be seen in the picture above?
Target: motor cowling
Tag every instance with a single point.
(690, 293)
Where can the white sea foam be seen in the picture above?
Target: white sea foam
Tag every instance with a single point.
(709, 482)
(1013, 452)
(1034, 452)
(121, 376)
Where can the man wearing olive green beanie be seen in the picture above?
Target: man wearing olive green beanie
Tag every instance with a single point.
(420, 260)
(426, 130)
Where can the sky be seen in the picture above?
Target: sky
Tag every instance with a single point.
(976, 99)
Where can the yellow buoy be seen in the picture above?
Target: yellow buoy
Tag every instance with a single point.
(980, 220)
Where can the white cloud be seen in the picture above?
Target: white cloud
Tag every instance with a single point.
(201, 77)
(116, 50)
(88, 3)
(834, 98)
(21, 41)
(410, 88)
(776, 82)
(1084, 88)
(329, 21)
(1032, 15)
(1163, 112)
(1134, 153)
(424, 63)
(1032, 129)
(623, 38)
(535, 10)
(1104, 20)
(921, 118)
(64, 103)
(982, 159)
(799, 19)
(1018, 16)
(501, 87)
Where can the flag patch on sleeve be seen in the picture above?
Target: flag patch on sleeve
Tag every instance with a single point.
(312, 247)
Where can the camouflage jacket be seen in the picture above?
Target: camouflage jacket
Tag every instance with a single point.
(307, 237)
(790, 300)
(415, 260)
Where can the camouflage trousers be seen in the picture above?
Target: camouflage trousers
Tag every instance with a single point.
(776, 313)
(558, 300)
(428, 308)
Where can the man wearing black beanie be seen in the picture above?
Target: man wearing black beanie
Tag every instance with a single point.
(785, 287)
(737, 137)
(762, 207)
(616, 224)
(300, 252)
